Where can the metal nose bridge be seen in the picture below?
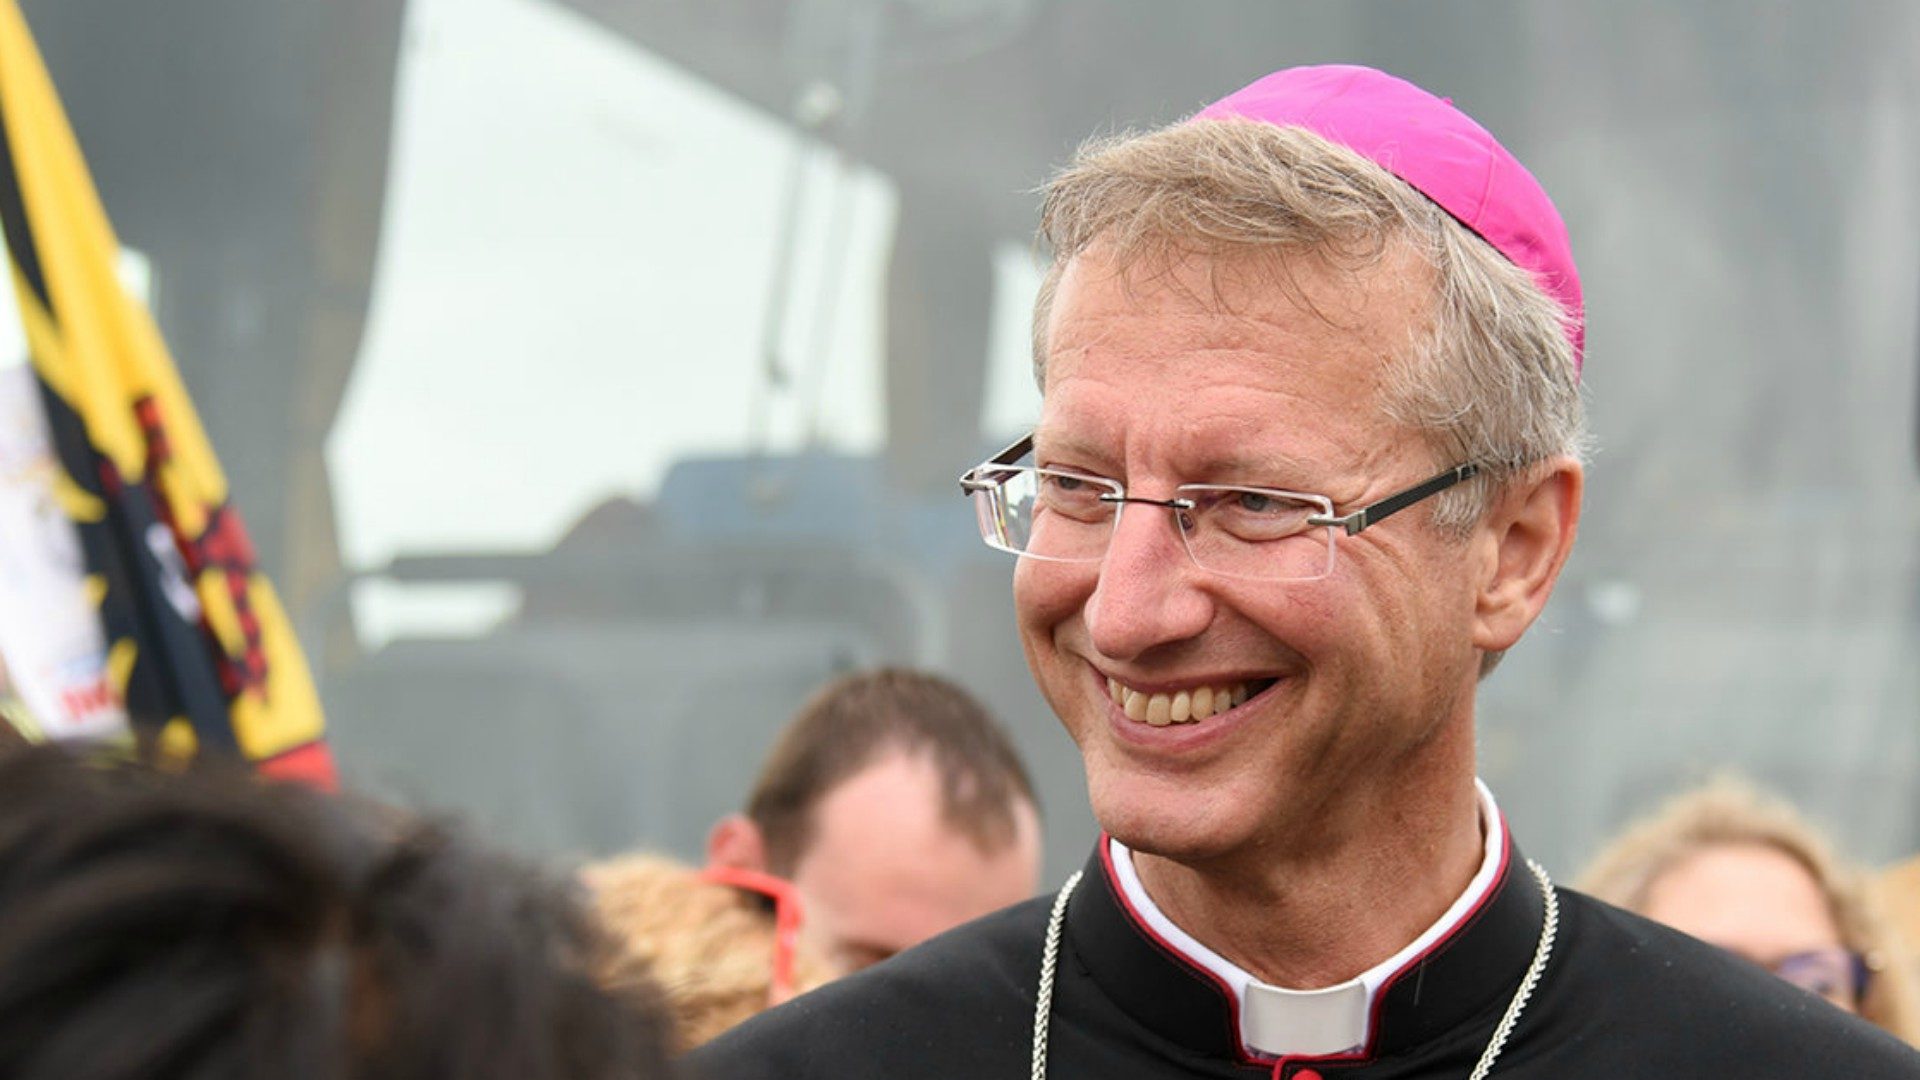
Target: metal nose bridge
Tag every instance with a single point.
(1179, 506)
(1171, 504)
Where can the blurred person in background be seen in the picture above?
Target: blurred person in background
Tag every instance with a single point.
(721, 944)
(206, 925)
(1899, 892)
(1745, 871)
(897, 807)
(1308, 463)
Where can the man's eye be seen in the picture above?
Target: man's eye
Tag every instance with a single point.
(1255, 516)
(1258, 504)
(1067, 486)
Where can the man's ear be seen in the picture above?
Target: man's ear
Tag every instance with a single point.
(736, 841)
(1527, 538)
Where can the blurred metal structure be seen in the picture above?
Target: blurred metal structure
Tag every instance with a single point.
(1743, 189)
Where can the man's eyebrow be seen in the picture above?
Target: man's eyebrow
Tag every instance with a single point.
(1057, 444)
(1273, 470)
(1263, 470)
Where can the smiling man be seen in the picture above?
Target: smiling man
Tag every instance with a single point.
(1308, 464)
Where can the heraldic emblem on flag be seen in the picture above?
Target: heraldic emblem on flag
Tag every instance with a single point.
(195, 641)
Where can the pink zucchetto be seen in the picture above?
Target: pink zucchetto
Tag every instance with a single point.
(1438, 150)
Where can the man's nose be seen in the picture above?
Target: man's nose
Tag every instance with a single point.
(1149, 592)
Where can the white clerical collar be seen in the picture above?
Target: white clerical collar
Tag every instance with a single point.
(1276, 1021)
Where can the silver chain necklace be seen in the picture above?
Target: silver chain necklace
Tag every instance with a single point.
(1050, 958)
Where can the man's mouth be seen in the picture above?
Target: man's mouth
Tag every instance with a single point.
(1187, 706)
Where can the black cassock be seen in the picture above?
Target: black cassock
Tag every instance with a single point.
(1621, 998)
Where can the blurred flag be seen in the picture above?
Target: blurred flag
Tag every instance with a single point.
(196, 646)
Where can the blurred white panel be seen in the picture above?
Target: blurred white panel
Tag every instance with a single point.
(388, 610)
(572, 286)
(1012, 401)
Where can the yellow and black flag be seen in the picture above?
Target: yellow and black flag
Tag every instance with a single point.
(197, 647)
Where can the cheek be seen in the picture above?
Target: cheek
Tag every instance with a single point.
(1416, 598)
(1297, 624)
(1046, 594)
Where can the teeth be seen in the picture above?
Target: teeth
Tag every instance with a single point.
(1180, 707)
(1159, 710)
(1203, 703)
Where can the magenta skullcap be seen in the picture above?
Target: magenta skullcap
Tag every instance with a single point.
(1439, 151)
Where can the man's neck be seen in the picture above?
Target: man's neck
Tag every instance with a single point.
(1305, 916)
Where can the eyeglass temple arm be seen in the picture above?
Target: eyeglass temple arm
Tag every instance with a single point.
(970, 480)
(788, 915)
(1393, 504)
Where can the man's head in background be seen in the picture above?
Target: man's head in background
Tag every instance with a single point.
(898, 808)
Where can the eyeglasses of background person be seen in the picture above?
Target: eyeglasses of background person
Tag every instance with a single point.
(787, 917)
(1838, 974)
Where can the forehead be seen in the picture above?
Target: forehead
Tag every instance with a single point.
(1228, 357)
(1752, 898)
(891, 867)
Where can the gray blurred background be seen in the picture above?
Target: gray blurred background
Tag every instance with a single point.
(593, 374)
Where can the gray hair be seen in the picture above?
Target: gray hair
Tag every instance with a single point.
(1491, 381)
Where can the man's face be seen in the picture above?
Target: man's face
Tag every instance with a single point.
(1214, 373)
(885, 871)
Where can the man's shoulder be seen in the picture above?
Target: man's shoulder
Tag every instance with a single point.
(942, 1008)
(1655, 999)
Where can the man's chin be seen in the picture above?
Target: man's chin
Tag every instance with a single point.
(1176, 830)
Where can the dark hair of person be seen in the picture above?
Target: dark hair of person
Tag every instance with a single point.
(203, 924)
(853, 722)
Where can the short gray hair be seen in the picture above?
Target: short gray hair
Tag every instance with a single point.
(1494, 380)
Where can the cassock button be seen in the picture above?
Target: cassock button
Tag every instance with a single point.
(1307, 1074)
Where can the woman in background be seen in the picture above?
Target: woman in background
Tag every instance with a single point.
(721, 944)
(1744, 871)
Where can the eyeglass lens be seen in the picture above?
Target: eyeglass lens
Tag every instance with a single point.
(1237, 532)
(1835, 974)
